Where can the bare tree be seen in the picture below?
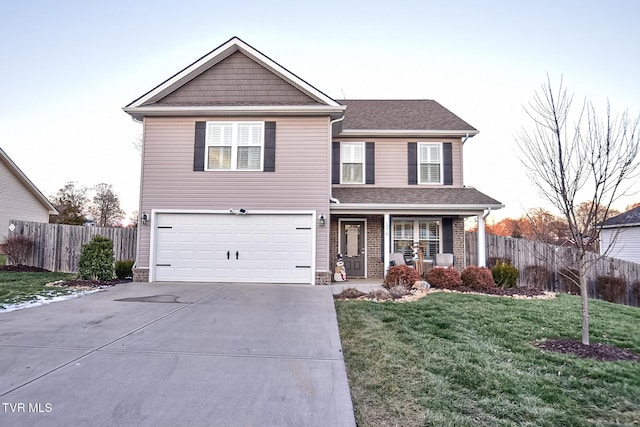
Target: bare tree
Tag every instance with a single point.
(595, 160)
(106, 209)
(70, 201)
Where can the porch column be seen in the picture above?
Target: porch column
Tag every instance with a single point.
(387, 242)
(482, 257)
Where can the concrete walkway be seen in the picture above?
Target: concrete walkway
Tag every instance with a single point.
(176, 354)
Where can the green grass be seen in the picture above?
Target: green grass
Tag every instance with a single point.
(16, 287)
(3, 259)
(468, 360)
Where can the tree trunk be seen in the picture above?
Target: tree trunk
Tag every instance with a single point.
(582, 275)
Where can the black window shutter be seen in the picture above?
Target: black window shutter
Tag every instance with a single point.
(269, 147)
(412, 166)
(198, 150)
(447, 235)
(370, 163)
(447, 163)
(335, 163)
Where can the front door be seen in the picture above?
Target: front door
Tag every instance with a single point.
(352, 247)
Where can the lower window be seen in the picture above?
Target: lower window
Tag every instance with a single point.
(425, 232)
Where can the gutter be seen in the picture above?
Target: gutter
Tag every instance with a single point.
(467, 136)
(331, 123)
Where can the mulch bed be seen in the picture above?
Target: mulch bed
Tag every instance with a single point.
(595, 351)
(23, 268)
(79, 283)
(506, 292)
(72, 283)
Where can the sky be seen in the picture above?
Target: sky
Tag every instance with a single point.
(68, 68)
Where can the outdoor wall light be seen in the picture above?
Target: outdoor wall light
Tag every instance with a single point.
(145, 218)
(323, 220)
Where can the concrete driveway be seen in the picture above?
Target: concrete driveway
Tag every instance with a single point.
(176, 354)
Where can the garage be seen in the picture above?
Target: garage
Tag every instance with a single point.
(233, 247)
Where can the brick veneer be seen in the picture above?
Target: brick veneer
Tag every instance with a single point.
(458, 244)
(323, 278)
(140, 274)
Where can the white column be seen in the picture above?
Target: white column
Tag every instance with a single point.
(387, 241)
(482, 257)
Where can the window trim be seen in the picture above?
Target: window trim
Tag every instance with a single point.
(234, 145)
(416, 231)
(363, 162)
(420, 162)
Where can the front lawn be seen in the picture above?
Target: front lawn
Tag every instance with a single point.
(466, 360)
(17, 287)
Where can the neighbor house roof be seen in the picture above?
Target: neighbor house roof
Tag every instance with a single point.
(397, 115)
(440, 199)
(27, 183)
(626, 219)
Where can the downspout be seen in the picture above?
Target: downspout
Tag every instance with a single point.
(331, 198)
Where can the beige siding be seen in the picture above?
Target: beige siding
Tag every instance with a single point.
(391, 160)
(237, 80)
(300, 182)
(17, 201)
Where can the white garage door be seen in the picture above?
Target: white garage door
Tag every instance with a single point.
(234, 248)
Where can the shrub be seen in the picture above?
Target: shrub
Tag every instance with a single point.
(397, 292)
(477, 278)
(635, 289)
(401, 275)
(536, 276)
(124, 269)
(444, 278)
(349, 293)
(505, 274)
(17, 248)
(569, 278)
(379, 294)
(612, 289)
(495, 260)
(96, 259)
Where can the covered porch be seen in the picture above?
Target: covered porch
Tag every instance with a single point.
(370, 226)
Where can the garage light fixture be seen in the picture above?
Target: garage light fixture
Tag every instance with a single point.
(145, 218)
(322, 219)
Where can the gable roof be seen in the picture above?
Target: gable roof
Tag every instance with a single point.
(148, 104)
(395, 116)
(27, 183)
(629, 218)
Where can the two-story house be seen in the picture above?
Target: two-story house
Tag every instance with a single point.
(251, 174)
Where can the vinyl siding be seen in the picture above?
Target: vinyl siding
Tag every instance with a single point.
(237, 80)
(626, 245)
(391, 160)
(17, 201)
(300, 181)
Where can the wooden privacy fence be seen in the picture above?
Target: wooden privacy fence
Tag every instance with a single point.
(558, 260)
(57, 247)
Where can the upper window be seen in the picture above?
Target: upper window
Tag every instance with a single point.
(352, 162)
(429, 163)
(235, 146)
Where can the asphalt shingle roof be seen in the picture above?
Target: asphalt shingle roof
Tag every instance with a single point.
(413, 196)
(625, 218)
(416, 114)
